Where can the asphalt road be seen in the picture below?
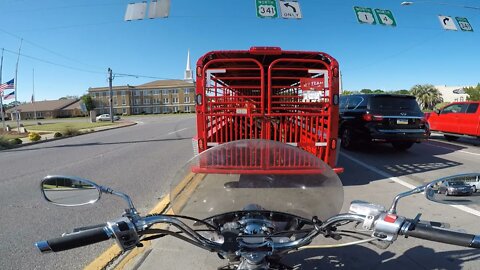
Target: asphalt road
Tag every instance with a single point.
(141, 159)
(138, 160)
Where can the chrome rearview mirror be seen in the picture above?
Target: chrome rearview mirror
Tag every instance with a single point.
(69, 191)
(463, 189)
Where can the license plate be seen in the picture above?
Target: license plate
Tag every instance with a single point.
(402, 121)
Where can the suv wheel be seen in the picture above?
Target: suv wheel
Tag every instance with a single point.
(347, 138)
(402, 146)
(450, 138)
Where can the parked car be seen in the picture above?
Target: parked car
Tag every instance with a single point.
(458, 119)
(455, 188)
(387, 118)
(106, 117)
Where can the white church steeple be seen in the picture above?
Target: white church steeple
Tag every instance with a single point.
(188, 71)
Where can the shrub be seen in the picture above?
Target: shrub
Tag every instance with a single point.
(16, 141)
(57, 135)
(70, 131)
(4, 142)
(33, 136)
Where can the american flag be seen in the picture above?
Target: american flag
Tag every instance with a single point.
(8, 85)
(9, 95)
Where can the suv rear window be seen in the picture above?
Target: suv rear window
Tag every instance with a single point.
(393, 103)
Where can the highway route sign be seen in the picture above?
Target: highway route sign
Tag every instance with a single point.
(266, 8)
(464, 24)
(385, 17)
(364, 15)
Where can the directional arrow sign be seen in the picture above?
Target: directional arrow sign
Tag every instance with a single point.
(290, 9)
(266, 8)
(364, 15)
(385, 17)
(447, 23)
(464, 24)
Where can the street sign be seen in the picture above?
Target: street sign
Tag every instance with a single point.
(447, 23)
(266, 8)
(464, 24)
(385, 17)
(364, 15)
(290, 9)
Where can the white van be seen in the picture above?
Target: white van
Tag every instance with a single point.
(474, 181)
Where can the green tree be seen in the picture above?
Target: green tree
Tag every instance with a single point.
(68, 97)
(378, 91)
(402, 92)
(347, 92)
(366, 91)
(473, 92)
(88, 101)
(427, 96)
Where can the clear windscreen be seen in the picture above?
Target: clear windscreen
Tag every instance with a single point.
(269, 175)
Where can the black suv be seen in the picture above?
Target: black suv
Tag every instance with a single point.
(396, 119)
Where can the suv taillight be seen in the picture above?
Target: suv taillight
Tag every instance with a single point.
(371, 117)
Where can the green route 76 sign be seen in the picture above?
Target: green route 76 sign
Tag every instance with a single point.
(266, 8)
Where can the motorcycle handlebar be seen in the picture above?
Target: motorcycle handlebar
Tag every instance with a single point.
(74, 240)
(427, 232)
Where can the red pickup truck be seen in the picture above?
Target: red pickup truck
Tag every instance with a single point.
(458, 119)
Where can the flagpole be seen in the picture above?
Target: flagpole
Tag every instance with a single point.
(1, 94)
(33, 96)
(16, 84)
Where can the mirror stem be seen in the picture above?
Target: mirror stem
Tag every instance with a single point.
(393, 208)
(131, 211)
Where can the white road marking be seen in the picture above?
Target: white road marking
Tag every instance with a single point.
(405, 184)
(452, 149)
(177, 131)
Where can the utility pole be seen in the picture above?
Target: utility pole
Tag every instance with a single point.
(110, 79)
(1, 94)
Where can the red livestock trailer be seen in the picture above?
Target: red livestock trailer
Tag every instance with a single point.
(268, 93)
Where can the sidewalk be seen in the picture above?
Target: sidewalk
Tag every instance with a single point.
(49, 136)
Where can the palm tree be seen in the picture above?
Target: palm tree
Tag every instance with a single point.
(427, 96)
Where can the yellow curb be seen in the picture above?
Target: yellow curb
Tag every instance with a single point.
(102, 261)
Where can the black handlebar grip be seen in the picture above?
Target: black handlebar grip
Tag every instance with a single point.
(89, 227)
(74, 240)
(428, 232)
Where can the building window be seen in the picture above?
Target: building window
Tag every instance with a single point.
(175, 100)
(156, 92)
(165, 101)
(135, 110)
(105, 94)
(115, 101)
(123, 92)
(124, 101)
(124, 111)
(136, 101)
(147, 110)
(174, 91)
(166, 110)
(136, 93)
(145, 92)
(187, 99)
(146, 101)
(175, 109)
(165, 91)
(461, 98)
(188, 90)
(156, 101)
(187, 109)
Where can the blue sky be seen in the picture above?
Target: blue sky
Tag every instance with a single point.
(70, 44)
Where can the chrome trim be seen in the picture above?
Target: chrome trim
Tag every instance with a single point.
(400, 117)
(475, 241)
(393, 208)
(402, 130)
(43, 246)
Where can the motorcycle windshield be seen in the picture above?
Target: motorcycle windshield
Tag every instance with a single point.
(256, 175)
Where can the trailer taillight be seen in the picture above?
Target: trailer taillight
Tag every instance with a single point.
(266, 50)
(199, 71)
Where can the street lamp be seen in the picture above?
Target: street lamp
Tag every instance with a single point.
(409, 3)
